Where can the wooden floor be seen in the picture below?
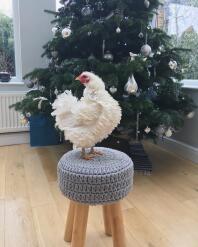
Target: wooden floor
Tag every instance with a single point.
(161, 211)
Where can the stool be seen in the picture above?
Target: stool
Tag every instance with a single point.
(105, 180)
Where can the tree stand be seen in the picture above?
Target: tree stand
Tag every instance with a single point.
(103, 181)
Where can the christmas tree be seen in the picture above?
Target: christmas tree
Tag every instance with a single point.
(115, 40)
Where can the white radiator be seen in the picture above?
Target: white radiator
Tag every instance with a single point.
(10, 120)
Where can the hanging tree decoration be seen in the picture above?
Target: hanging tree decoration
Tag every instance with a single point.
(169, 132)
(87, 9)
(118, 30)
(113, 89)
(147, 130)
(66, 32)
(131, 86)
(99, 6)
(160, 130)
(141, 35)
(146, 49)
(133, 56)
(172, 64)
(54, 30)
(191, 115)
(108, 56)
(40, 101)
(147, 4)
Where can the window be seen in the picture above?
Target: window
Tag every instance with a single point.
(7, 58)
(58, 4)
(179, 19)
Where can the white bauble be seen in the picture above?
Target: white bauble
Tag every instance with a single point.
(113, 89)
(191, 115)
(146, 50)
(173, 65)
(169, 132)
(66, 32)
(28, 114)
(118, 30)
(131, 86)
(147, 130)
(54, 30)
(141, 35)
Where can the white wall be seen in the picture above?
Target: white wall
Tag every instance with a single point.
(185, 142)
(32, 31)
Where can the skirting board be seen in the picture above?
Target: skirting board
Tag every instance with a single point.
(180, 148)
(14, 138)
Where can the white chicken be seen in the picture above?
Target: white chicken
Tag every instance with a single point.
(91, 119)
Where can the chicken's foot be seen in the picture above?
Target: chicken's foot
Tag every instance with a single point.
(95, 153)
(86, 156)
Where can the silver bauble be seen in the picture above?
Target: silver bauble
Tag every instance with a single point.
(87, 10)
(160, 130)
(30, 84)
(146, 50)
(147, 3)
(99, 6)
(131, 86)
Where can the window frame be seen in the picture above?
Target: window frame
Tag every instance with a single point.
(17, 43)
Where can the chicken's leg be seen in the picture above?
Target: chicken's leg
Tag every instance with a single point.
(95, 153)
(86, 156)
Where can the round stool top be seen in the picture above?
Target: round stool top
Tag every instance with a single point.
(105, 179)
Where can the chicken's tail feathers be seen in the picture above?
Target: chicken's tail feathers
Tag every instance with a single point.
(64, 103)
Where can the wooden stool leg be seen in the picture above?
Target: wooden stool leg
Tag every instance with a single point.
(70, 222)
(117, 225)
(107, 218)
(80, 225)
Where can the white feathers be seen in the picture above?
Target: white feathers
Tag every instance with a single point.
(89, 120)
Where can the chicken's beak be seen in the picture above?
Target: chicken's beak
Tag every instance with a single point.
(77, 78)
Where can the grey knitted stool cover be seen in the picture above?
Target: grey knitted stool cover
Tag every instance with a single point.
(105, 179)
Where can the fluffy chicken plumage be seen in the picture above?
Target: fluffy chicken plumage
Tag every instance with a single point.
(91, 119)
